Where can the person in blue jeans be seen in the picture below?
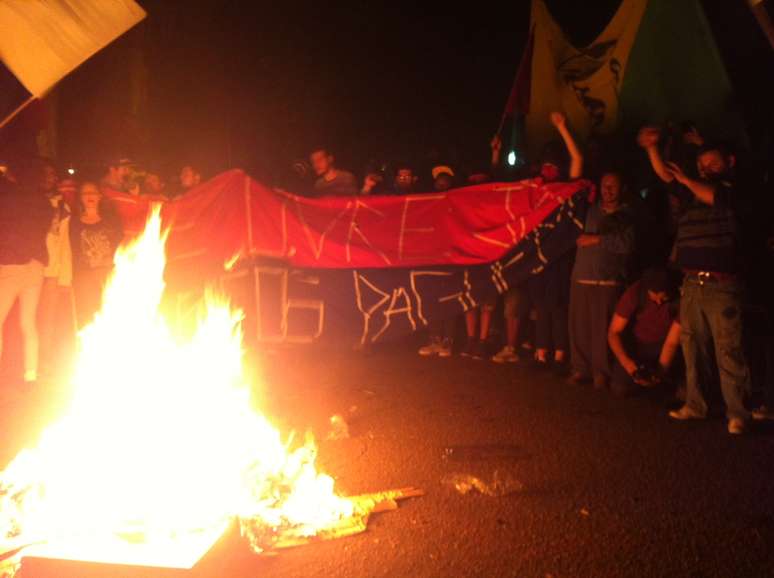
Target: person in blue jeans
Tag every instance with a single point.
(707, 250)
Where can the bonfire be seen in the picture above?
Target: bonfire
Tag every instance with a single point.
(159, 449)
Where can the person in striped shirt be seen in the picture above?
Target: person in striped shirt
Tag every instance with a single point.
(707, 251)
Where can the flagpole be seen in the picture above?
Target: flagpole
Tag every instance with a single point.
(763, 18)
(16, 112)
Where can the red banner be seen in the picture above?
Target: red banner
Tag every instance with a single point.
(233, 215)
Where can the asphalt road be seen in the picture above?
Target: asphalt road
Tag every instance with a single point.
(607, 487)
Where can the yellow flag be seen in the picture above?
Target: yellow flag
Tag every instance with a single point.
(43, 40)
(584, 83)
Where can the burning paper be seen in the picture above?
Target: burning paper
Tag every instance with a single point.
(160, 449)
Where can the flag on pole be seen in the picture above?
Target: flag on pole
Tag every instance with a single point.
(41, 41)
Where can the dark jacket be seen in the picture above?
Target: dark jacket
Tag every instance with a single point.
(25, 217)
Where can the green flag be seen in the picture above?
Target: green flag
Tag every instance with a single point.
(676, 73)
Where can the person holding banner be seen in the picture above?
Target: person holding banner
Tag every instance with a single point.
(548, 289)
(331, 181)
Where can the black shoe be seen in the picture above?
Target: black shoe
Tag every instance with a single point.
(471, 346)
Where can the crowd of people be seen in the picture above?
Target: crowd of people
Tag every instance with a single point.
(656, 292)
(609, 314)
(58, 237)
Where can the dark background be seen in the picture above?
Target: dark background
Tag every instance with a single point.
(256, 85)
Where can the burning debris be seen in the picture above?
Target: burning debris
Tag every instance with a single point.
(160, 449)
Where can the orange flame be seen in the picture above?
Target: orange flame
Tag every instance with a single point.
(159, 449)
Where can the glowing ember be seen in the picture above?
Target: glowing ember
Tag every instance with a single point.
(160, 449)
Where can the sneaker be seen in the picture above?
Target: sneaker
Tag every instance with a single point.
(736, 426)
(432, 348)
(763, 413)
(506, 355)
(445, 348)
(685, 412)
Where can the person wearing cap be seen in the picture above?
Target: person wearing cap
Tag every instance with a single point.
(644, 334)
(443, 178)
(117, 174)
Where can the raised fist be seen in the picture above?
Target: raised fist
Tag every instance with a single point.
(648, 137)
(558, 119)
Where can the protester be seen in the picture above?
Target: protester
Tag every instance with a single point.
(551, 286)
(117, 174)
(644, 334)
(478, 322)
(68, 188)
(550, 293)
(25, 217)
(190, 177)
(706, 250)
(441, 332)
(154, 185)
(600, 270)
(443, 178)
(55, 297)
(331, 181)
(373, 183)
(405, 179)
(548, 289)
(515, 308)
(95, 233)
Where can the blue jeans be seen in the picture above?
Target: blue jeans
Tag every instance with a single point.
(711, 315)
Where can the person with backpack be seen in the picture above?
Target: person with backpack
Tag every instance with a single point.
(644, 334)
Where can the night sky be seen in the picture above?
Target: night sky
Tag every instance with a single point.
(241, 83)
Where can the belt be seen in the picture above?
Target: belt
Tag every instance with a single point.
(598, 283)
(704, 276)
